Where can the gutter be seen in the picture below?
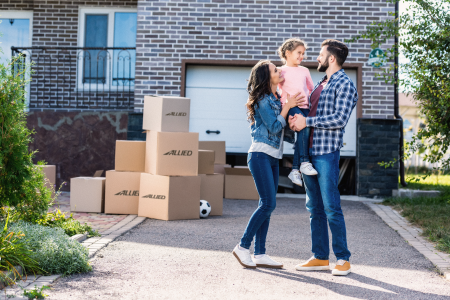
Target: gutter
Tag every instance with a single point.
(396, 108)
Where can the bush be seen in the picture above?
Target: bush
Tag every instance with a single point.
(52, 249)
(22, 184)
(13, 253)
(68, 224)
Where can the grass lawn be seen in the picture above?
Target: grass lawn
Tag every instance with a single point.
(431, 214)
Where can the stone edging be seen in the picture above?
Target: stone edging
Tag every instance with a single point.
(413, 236)
(93, 244)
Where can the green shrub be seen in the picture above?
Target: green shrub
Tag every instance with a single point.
(13, 253)
(52, 249)
(22, 184)
(70, 226)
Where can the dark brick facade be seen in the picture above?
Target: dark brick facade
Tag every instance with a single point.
(378, 140)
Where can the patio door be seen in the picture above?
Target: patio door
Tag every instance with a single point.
(16, 30)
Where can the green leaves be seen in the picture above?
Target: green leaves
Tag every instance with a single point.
(424, 43)
(22, 184)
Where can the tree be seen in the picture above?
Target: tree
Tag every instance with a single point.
(423, 32)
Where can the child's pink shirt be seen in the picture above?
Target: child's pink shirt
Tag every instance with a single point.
(296, 79)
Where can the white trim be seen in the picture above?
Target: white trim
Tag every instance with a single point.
(110, 12)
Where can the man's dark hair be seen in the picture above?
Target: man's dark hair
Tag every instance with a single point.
(337, 49)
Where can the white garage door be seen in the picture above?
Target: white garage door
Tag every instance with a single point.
(218, 98)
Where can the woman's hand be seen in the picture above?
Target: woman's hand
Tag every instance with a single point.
(296, 100)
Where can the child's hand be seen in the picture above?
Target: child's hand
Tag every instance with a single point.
(297, 100)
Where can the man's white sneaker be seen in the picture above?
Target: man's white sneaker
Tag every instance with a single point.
(265, 261)
(243, 257)
(308, 169)
(295, 177)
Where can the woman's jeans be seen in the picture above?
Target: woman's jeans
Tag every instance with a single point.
(265, 171)
(301, 148)
(323, 202)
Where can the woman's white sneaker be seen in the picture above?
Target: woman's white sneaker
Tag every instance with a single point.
(308, 169)
(265, 261)
(243, 257)
(295, 177)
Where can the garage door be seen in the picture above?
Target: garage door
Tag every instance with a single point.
(218, 112)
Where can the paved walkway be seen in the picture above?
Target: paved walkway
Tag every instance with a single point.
(97, 221)
(192, 260)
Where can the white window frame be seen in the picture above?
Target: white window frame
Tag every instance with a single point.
(110, 12)
(22, 14)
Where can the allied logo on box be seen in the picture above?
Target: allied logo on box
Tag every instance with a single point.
(179, 152)
(155, 196)
(177, 114)
(127, 193)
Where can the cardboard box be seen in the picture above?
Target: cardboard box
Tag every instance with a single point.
(205, 162)
(220, 168)
(239, 184)
(211, 190)
(87, 194)
(122, 192)
(130, 156)
(166, 114)
(218, 147)
(169, 197)
(50, 177)
(172, 153)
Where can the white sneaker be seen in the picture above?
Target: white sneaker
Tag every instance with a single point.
(244, 258)
(308, 169)
(295, 177)
(265, 261)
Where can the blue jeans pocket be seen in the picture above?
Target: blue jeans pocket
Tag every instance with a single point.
(249, 157)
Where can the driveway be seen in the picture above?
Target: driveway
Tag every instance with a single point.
(192, 260)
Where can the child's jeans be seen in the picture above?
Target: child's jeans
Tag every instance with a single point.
(301, 148)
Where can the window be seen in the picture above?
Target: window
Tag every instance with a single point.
(107, 28)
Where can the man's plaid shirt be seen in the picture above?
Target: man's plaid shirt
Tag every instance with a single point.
(336, 103)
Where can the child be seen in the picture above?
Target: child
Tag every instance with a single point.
(297, 79)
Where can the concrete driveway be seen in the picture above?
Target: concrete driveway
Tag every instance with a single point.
(193, 260)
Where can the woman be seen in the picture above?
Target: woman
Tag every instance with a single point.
(267, 129)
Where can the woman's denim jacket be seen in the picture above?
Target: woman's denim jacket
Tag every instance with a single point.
(269, 123)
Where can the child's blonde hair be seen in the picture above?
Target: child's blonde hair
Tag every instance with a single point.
(290, 45)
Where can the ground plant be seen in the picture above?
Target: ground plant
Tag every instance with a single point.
(53, 250)
(14, 253)
(36, 293)
(70, 226)
(431, 214)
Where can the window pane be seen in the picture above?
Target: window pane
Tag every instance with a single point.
(15, 34)
(95, 61)
(124, 60)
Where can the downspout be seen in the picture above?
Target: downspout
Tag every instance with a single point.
(396, 108)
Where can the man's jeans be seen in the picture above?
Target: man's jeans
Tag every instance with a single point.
(323, 202)
(302, 142)
(265, 171)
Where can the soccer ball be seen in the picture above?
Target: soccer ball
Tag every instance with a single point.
(205, 208)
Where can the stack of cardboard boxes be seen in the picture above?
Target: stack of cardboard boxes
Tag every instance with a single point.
(164, 177)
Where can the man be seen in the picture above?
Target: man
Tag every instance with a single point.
(331, 103)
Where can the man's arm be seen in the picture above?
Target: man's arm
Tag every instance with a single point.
(344, 102)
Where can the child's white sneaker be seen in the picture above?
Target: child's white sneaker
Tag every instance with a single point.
(295, 177)
(308, 169)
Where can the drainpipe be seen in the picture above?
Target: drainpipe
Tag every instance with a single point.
(396, 109)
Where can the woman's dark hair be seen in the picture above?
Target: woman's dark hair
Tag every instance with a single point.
(258, 86)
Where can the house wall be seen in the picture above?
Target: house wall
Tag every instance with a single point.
(169, 31)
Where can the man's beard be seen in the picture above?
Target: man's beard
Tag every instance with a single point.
(323, 67)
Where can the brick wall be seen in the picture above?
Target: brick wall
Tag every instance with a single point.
(16, 5)
(169, 31)
(378, 140)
